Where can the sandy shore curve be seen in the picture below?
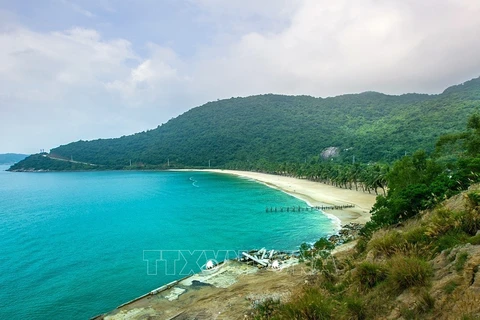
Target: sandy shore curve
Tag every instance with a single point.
(316, 194)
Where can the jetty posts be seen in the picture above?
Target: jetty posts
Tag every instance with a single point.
(304, 209)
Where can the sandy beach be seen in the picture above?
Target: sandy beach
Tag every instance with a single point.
(316, 194)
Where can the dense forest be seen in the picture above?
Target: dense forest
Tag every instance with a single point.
(248, 132)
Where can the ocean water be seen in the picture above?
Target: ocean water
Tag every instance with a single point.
(77, 244)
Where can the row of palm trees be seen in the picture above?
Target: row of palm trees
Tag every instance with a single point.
(365, 177)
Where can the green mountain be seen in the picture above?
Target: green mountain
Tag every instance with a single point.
(370, 126)
(9, 158)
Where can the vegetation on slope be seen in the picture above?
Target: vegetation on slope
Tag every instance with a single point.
(41, 162)
(418, 258)
(252, 131)
(428, 268)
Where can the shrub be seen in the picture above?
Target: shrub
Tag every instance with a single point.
(470, 221)
(370, 274)
(312, 304)
(426, 303)
(361, 245)
(443, 221)
(449, 240)
(305, 252)
(387, 243)
(416, 235)
(266, 309)
(405, 272)
(475, 240)
(323, 244)
(473, 199)
(355, 308)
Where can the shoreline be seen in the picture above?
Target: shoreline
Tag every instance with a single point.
(314, 194)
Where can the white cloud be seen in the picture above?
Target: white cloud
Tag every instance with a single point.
(335, 47)
(157, 80)
(58, 61)
(314, 47)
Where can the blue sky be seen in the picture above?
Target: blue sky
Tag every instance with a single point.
(72, 69)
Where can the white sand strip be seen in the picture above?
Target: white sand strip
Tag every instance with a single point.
(316, 194)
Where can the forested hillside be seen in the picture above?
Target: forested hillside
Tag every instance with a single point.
(9, 158)
(274, 128)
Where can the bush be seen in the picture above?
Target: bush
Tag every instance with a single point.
(416, 235)
(323, 244)
(355, 308)
(426, 303)
(449, 240)
(443, 221)
(312, 304)
(475, 240)
(387, 243)
(405, 272)
(471, 218)
(361, 245)
(266, 309)
(370, 274)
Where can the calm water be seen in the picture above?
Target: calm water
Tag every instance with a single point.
(72, 245)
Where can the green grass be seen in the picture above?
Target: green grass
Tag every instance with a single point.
(265, 309)
(416, 235)
(405, 272)
(387, 243)
(355, 308)
(311, 305)
(450, 286)
(425, 304)
(475, 240)
(369, 274)
(460, 261)
(450, 239)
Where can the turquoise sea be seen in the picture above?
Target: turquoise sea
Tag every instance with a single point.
(77, 244)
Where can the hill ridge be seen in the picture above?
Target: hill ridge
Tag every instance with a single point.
(371, 126)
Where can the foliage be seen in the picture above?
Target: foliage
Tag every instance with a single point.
(405, 272)
(369, 274)
(386, 243)
(312, 304)
(40, 162)
(265, 309)
(417, 182)
(460, 261)
(391, 276)
(425, 304)
(450, 286)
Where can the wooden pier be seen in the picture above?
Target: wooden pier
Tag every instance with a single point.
(302, 209)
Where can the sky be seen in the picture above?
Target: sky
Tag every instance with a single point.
(86, 69)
